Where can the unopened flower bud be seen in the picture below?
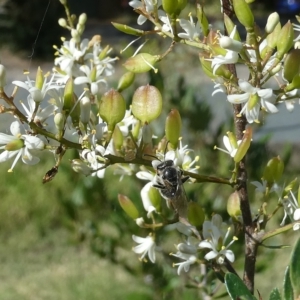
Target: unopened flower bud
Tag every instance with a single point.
(233, 206)
(146, 103)
(112, 108)
(75, 35)
(125, 81)
(2, 76)
(291, 65)
(59, 121)
(202, 20)
(36, 94)
(68, 96)
(62, 22)
(272, 37)
(243, 13)
(142, 62)
(117, 138)
(273, 170)
(99, 131)
(82, 19)
(230, 44)
(80, 167)
(85, 109)
(285, 40)
(39, 79)
(196, 215)
(127, 29)
(272, 22)
(244, 145)
(173, 127)
(128, 206)
(140, 222)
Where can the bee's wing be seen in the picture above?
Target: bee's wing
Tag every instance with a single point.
(180, 201)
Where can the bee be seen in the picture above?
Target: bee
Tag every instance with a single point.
(169, 181)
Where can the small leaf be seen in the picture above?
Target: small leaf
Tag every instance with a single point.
(295, 270)
(236, 288)
(287, 286)
(275, 295)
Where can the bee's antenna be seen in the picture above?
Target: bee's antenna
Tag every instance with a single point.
(153, 156)
(166, 149)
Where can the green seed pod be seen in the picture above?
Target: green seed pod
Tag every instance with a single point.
(128, 206)
(243, 13)
(285, 40)
(112, 108)
(173, 127)
(233, 206)
(128, 30)
(244, 145)
(273, 170)
(291, 65)
(142, 62)
(202, 20)
(196, 215)
(155, 198)
(170, 7)
(295, 84)
(147, 103)
(125, 81)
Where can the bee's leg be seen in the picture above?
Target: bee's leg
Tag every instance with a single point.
(184, 179)
(159, 186)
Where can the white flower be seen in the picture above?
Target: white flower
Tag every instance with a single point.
(146, 246)
(70, 53)
(290, 103)
(93, 77)
(253, 99)
(192, 30)
(219, 86)
(188, 253)
(212, 233)
(147, 4)
(231, 57)
(231, 146)
(19, 146)
(291, 209)
(35, 94)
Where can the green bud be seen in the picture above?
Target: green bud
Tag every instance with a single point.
(128, 206)
(14, 145)
(285, 40)
(232, 139)
(117, 138)
(202, 20)
(244, 145)
(147, 103)
(291, 65)
(39, 79)
(273, 170)
(196, 215)
(2, 76)
(173, 127)
(112, 108)
(155, 198)
(272, 22)
(63, 2)
(128, 30)
(104, 52)
(243, 13)
(272, 37)
(142, 62)
(229, 25)
(136, 130)
(206, 66)
(125, 81)
(68, 96)
(170, 7)
(233, 206)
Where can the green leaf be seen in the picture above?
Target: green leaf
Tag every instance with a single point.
(288, 293)
(236, 288)
(295, 269)
(275, 295)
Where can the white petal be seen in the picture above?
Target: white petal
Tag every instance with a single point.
(238, 98)
(211, 255)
